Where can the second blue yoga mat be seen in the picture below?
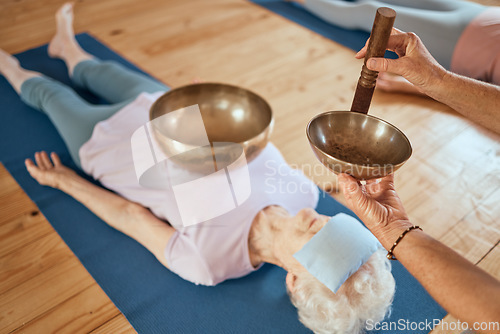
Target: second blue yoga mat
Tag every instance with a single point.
(152, 298)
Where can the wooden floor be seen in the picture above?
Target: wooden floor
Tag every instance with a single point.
(450, 186)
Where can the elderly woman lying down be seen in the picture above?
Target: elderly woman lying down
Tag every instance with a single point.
(270, 226)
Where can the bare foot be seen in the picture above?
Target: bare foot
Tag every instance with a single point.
(65, 36)
(396, 84)
(13, 72)
(64, 45)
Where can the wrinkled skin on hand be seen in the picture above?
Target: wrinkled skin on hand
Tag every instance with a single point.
(415, 63)
(378, 205)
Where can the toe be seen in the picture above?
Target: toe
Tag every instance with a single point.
(67, 8)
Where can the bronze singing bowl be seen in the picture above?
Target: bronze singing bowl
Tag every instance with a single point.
(363, 146)
(230, 115)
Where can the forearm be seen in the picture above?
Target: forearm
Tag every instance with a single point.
(111, 208)
(127, 217)
(473, 99)
(463, 289)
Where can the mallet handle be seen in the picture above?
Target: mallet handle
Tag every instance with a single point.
(381, 31)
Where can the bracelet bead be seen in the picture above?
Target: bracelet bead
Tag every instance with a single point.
(390, 253)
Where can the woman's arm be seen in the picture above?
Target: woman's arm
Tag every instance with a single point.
(474, 99)
(128, 217)
(464, 290)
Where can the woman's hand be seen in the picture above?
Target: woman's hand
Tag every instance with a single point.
(378, 205)
(415, 63)
(47, 172)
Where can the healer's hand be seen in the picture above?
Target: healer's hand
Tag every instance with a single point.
(415, 63)
(378, 205)
(47, 172)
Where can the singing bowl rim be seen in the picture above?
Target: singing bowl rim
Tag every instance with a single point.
(267, 129)
(365, 168)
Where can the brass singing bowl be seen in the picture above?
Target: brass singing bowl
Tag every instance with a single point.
(230, 115)
(361, 145)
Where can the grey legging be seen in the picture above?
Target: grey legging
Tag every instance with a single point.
(439, 23)
(74, 117)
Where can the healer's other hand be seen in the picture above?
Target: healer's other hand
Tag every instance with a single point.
(378, 205)
(415, 63)
(47, 172)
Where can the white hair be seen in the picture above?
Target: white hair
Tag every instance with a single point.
(366, 295)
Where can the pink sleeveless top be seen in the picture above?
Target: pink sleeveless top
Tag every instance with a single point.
(477, 53)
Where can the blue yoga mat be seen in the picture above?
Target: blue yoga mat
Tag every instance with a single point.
(152, 298)
(353, 39)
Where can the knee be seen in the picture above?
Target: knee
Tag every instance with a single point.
(88, 71)
(52, 93)
(38, 92)
(108, 65)
(50, 96)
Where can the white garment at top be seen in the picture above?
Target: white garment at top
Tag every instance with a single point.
(217, 249)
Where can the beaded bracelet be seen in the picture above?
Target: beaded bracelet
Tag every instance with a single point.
(390, 254)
